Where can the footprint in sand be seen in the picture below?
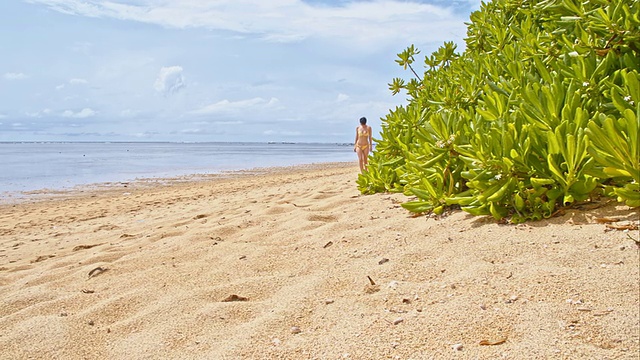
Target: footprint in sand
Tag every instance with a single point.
(106, 227)
(325, 195)
(277, 210)
(84, 247)
(42, 258)
(323, 218)
(6, 232)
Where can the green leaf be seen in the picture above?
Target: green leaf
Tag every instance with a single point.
(556, 170)
(417, 206)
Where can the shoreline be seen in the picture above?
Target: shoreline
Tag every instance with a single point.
(63, 166)
(48, 193)
(280, 265)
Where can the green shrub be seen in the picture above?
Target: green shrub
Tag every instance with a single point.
(539, 112)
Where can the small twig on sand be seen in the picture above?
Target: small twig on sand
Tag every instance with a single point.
(97, 271)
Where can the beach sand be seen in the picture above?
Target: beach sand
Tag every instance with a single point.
(276, 265)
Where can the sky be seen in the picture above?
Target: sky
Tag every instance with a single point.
(210, 70)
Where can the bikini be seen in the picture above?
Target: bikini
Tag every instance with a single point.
(364, 133)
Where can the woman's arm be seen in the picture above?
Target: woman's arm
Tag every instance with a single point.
(370, 139)
(355, 142)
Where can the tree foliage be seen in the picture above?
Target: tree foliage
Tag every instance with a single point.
(540, 111)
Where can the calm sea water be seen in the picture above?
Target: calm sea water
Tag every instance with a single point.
(58, 166)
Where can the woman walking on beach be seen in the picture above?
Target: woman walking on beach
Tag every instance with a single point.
(363, 143)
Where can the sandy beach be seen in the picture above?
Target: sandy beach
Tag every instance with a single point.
(293, 263)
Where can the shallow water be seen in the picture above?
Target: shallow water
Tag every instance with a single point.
(59, 166)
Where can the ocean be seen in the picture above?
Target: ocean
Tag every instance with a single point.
(29, 166)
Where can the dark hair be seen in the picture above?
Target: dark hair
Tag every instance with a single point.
(363, 120)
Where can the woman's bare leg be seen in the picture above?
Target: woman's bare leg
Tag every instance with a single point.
(363, 158)
(360, 159)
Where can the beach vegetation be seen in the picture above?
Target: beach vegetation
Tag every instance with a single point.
(539, 112)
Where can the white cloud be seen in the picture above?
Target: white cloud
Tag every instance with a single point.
(356, 22)
(193, 131)
(342, 97)
(82, 114)
(72, 82)
(82, 47)
(170, 80)
(226, 106)
(228, 122)
(38, 114)
(15, 76)
(146, 134)
(282, 133)
(219, 122)
(70, 97)
(128, 113)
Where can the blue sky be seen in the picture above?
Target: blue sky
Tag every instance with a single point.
(209, 70)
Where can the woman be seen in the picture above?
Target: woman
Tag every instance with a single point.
(363, 143)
